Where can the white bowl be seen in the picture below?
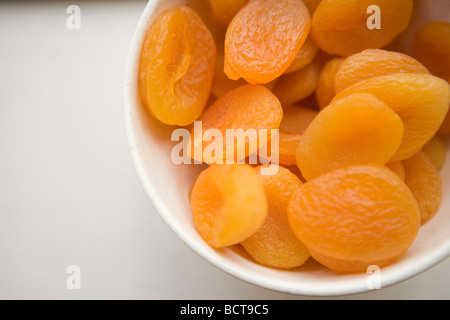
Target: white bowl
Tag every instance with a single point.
(168, 186)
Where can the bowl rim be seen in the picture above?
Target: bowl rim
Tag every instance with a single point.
(356, 285)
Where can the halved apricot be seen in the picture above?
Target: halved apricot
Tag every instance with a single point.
(228, 204)
(177, 66)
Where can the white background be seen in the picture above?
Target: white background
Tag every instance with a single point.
(68, 192)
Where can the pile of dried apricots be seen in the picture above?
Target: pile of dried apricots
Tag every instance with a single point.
(361, 127)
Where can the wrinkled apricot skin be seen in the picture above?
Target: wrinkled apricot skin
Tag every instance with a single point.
(432, 48)
(355, 217)
(275, 244)
(296, 86)
(424, 181)
(357, 130)
(228, 204)
(225, 10)
(325, 91)
(437, 152)
(177, 65)
(340, 26)
(250, 107)
(264, 38)
(304, 57)
(421, 101)
(373, 63)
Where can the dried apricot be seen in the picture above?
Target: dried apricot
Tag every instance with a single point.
(228, 204)
(287, 148)
(355, 217)
(325, 91)
(305, 56)
(421, 100)
(298, 85)
(356, 130)
(275, 244)
(425, 183)
(296, 119)
(436, 151)
(373, 63)
(225, 10)
(341, 26)
(177, 65)
(398, 168)
(221, 83)
(252, 111)
(263, 39)
(432, 48)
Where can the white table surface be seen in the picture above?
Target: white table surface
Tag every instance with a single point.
(68, 191)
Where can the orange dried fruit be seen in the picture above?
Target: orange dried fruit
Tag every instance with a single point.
(432, 48)
(373, 63)
(397, 168)
(176, 66)
(325, 91)
(356, 130)
(298, 85)
(421, 101)
(355, 217)
(341, 26)
(437, 152)
(423, 178)
(275, 244)
(263, 39)
(228, 204)
(252, 111)
(305, 56)
(221, 83)
(296, 119)
(287, 148)
(224, 10)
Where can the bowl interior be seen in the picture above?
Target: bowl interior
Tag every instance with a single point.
(168, 186)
